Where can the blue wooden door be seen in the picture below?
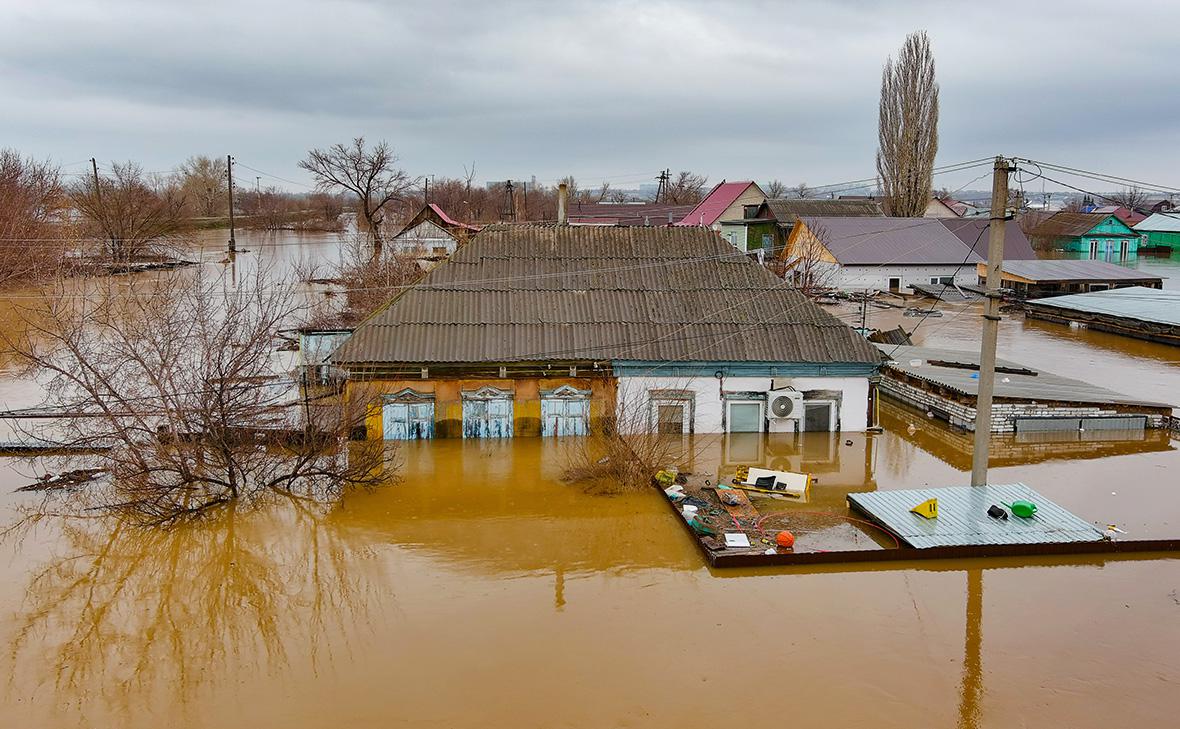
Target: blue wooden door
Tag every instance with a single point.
(407, 421)
(565, 416)
(487, 418)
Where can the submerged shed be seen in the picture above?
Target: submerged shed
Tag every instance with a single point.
(1137, 311)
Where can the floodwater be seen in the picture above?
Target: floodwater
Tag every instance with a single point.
(483, 591)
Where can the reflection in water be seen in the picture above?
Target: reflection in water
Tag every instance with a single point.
(128, 616)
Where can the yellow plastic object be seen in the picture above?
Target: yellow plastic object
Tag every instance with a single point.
(665, 478)
(928, 509)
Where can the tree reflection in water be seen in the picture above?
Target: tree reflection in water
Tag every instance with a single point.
(132, 614)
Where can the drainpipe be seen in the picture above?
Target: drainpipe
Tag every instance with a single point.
(563, 193)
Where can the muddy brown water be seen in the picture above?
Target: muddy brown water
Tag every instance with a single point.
(483, 591)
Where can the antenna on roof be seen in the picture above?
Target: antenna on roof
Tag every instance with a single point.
(509, 202)
(662, 189)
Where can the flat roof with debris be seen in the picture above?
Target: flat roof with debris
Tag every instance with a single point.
(959, 371)
(1133, 302)
(963, 517)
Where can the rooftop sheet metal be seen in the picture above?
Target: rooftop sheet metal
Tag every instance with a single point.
(526, 293)
(974, 233)
(1066, 224)
(1039, 387)
(1075, 270)
(715, 203)
(1132, 302)
(1160, 223)
(962, 517)
(882, 241)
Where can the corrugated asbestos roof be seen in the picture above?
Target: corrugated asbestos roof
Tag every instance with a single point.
(890, 241)
(1062, 269)
(787, 210)
(519, 293)
(1133, 302)
(963, 520)
(1040, 387)
(972, 231)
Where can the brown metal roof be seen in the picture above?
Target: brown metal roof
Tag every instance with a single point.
(787, 210)
(520, 293)
(1068, 225)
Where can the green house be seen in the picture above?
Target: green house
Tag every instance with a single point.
(1160, 230)
(1100, 236)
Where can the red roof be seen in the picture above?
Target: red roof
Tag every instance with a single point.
(1130, 217)
(710, 210)
(449, 220)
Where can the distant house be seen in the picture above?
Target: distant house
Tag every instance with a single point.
(767, 226)
(1033, 279)
(1097, 235)
(542, 329)
(626, 213)
(726, 201)
(1130, 217)
(1160, 230)
(939, 208)
(431, 234)
(888, 254)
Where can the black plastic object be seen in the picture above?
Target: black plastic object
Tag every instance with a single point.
(996, 512)
(766, 482)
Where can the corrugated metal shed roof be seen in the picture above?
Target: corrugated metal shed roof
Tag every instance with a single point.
(1132, 302)
(627, 213)
(787, 210)
(1075, 270)
(1040, 387)
(963, 520)
(1161, 223)
(710, 209)
(973, 232)
(572, 293)
(1069, 225)
(880, 241)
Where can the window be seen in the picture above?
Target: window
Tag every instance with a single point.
(819, 416)
(943, 280)
(407, 415)
(672, 411)
(565, 411)
(744, 416)
(895, 284)
(487, 413)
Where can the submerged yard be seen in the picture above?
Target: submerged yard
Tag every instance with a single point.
(483, 590)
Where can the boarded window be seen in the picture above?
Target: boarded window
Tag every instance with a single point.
(671, 418)
(487, 418)
(407, 420)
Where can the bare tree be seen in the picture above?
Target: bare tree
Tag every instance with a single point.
(908, 128)
(371, 174)
(204, 183)
(171, 381)
(33, 239)
(802, 191)
(687, 188)
(807, 260)
(133, 214)
(776, 189)
(1131, 198)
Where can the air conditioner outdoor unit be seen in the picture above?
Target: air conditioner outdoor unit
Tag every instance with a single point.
(784, 410)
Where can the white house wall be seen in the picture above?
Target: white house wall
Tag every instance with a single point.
(858, 278)
(423, 239)
(635, 401)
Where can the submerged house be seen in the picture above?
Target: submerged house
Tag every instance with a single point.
(726, 201)
(1097, 235)
(431, 234)
(767, 226)
(552, 329)
(886, 254)
(1160, 231)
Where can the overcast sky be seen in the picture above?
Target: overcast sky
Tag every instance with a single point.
(613, 90)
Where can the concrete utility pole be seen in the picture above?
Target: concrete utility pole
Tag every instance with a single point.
(991, 324)
(229, 170)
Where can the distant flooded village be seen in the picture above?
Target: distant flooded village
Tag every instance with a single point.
(391, 396)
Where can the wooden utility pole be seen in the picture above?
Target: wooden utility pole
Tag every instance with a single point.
(991, 324)
(98, 203)
(229, 170)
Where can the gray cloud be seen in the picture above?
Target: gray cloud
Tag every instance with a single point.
(609, 89)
